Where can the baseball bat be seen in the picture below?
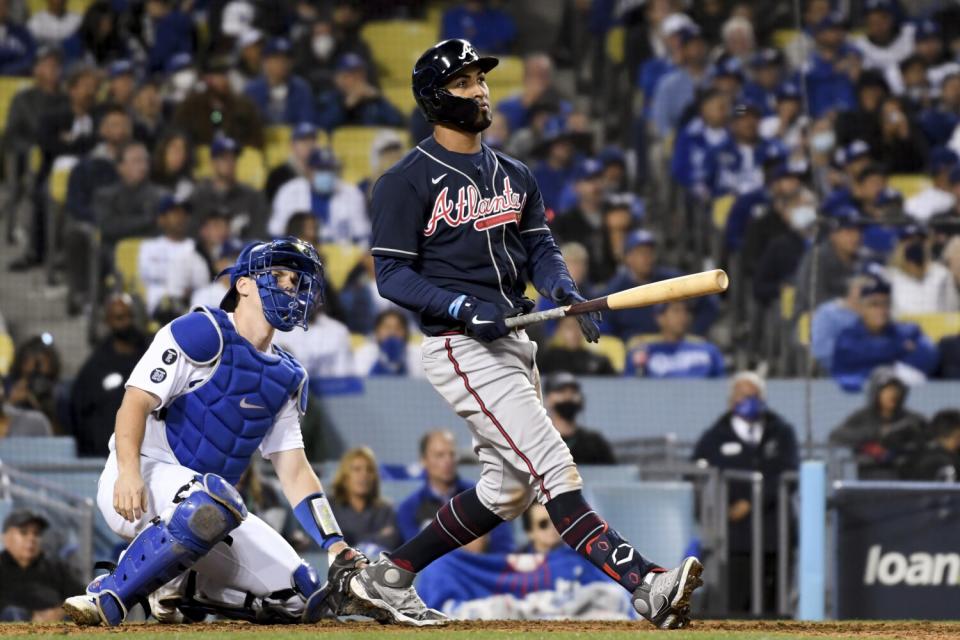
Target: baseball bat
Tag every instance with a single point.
(670, 290)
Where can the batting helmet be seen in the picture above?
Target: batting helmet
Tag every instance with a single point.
(434, 69)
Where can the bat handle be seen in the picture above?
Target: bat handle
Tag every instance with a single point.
(514, 322)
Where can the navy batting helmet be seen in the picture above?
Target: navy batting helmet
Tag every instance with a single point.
(434, 69)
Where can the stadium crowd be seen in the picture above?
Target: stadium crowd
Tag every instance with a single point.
(819, 165)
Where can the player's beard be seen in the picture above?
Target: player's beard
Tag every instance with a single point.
(483, 120)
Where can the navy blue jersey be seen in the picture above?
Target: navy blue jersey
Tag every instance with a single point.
(464, 223)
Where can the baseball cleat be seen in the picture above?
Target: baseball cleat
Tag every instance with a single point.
(82, 610)
(383, 591)
(664, 597)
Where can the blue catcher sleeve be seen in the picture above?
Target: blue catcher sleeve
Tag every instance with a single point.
(317, 519)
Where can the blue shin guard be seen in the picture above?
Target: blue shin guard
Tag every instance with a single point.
(164, 550)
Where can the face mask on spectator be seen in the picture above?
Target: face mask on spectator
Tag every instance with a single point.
(323, 181)
(126, 334)
(322, 45)
(750, 408)
(393, 347)
(802, 217)
(568, 409)
(40, 385)
(183, 81)
(823, 141)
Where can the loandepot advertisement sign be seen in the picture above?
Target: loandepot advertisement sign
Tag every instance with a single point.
(897, 551)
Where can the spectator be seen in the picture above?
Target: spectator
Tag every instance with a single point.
(814, 11)
(51, 26)
(863, 122)
(940, 120)
(386, 150)
(360, 298)
(487, 27)
(325, 353)
(390, 352)
(750, 436)
(735, 167)
(249, 65)
(244, 205)
(438, 456)
(938, 197)
(584, 223)
(738, 40)
(215, 108)
(147, 113)
(34, 377)
(887, 39)
(17, 47)
(169, 265)
(939, 459)
(121, 84)
(787, 123)
(368, 522)
(281, 97)
(830, 319)
(882, 434)
(782, 255)
(98, 388)
(766, 80)
(656, 67)
(542, 536)
(787, 193)
(16, 422)
(901, 147)
(354, 100)
(876, 340)
(560, 164)
(676, 90)
(33, 585)
(620, 214)
(303, 140)
(99, 168)
(539, 93)
(916, 89)
(879, 205)
(127, 209)
(640, 267)
(836, 259)
(100, 37)
(726, 76)
(213, 293)
(22, 130)
(672, 353)
(919, 284)
(568, 351)
(181, 78)
(698, 139)
(167, 31)
(338, 205)
(831, 67)
(320, 46)
(172, 164)
(563, 400)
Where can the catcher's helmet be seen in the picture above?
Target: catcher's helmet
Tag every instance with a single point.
(283, 309)
(434, 69)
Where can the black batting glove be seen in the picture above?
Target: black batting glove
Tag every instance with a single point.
(565, 293)
(484, 320)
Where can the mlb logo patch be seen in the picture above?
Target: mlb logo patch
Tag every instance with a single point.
(158, 375)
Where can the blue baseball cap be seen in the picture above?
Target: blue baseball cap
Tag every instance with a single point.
(639, 238)
(766, 57)
(747, 108)
(888, 6)
(120, 68)
(179, 62)
(589, 168)
(223, 144)
(351, 62)
(943, 158)
(322, 158)
(912, 231)
(304, 130)
(689, 32)
(171, 202)
(611, 155)
(874, 284)
(842, 215)
(788, 91)
(853, 151)
(277, 47)
(727, 67)
(833, 20)
(889, 196)
(927, 29)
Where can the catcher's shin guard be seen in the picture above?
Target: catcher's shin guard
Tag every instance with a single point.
(164, 550)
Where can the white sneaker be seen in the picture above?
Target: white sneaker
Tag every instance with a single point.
(82, 610)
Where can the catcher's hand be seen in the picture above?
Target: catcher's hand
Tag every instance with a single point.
(328, 601)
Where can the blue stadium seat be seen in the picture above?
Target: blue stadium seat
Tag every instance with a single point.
(395, 491)
(18, 451)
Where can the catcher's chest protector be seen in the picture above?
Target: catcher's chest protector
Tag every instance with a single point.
(216, 427)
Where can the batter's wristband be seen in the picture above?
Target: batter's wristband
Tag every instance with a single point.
(454, 308)
(317, 519)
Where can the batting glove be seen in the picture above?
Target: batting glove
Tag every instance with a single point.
(482, 320)
(565, 293)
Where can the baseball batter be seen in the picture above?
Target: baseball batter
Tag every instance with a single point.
(458, 229)
(211, 391)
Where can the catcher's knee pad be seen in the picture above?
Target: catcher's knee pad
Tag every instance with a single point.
(307, 583)
(167, 548)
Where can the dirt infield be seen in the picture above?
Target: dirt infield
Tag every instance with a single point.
(554, 630)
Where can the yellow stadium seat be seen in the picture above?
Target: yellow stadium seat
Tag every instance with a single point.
(803, 329)
(721, 210)
(277, 145)
(613, 348)
(251, 168)
(788, 301)
(532, 293)
(338, 261)
(9, 87)
(126, 262)
(59, 178)
(508, 71)
(396, 45)
(6, 353)
(909, 184)
(935, 325)
(75, 6)
(351, 146)
(500, 90)
(400, 96)
(434, 16)
(783, 37)
(615, 44)
(201, 162)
